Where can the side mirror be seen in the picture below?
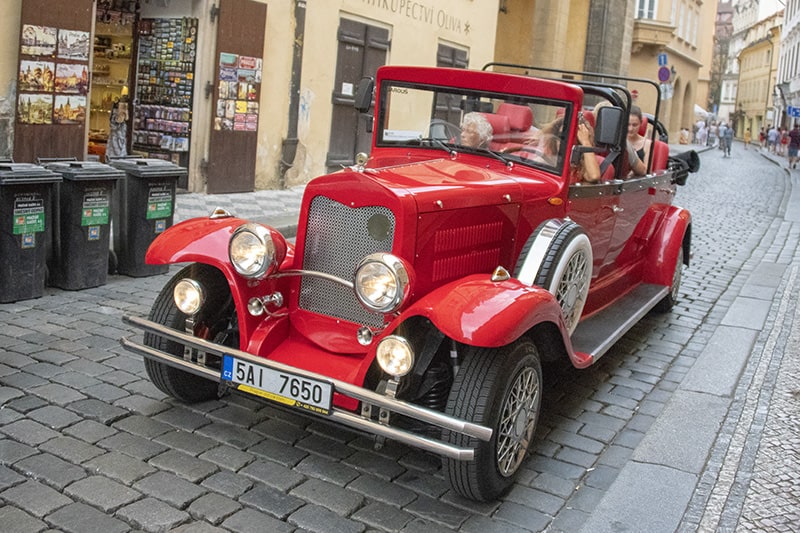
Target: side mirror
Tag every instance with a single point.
(609, 127)
(363, 100)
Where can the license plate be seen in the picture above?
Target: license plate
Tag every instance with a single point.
(283, 387)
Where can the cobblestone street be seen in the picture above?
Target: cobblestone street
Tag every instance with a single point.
(689, 423)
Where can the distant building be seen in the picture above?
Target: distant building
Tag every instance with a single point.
(788, 78)
(671, 43)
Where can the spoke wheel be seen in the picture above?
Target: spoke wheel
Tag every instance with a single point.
(567, 270)
(499, 388)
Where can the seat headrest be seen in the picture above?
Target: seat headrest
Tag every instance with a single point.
(520, 117)
(643, 127)
(499, 123)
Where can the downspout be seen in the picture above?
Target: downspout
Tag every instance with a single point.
(289, 146)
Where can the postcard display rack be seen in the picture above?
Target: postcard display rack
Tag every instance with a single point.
(162, 121)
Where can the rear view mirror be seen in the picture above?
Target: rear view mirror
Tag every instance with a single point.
(610, 126)
(363, 100)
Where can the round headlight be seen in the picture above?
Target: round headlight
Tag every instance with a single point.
(395, 356)
(188, 296)
(381, 282)
(251, 250)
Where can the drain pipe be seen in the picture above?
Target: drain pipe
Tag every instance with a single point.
(289, 147)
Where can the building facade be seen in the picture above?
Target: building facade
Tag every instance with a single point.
(758, 68)
(788, 77)
(672, 43)
(257, 94)
(201, 84)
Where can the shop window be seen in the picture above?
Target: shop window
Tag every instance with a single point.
(162, 121)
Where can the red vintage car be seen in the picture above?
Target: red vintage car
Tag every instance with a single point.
(429, 280)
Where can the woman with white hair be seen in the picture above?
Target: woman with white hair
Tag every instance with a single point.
(476, 132)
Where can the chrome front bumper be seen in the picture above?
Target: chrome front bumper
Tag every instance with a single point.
(428, 416)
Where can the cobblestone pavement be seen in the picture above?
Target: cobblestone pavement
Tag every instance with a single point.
(87, 443)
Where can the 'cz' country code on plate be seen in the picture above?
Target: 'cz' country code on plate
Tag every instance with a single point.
(283, 387)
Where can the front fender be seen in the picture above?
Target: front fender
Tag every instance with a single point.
(481, 312)
(199, 240)
(205, 240)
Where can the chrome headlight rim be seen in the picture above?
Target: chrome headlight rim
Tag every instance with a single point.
(258, 267)
(382, 350)
(398, 272)
(188, 296)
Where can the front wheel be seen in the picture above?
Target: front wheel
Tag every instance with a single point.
(500, 388)
(177, 383)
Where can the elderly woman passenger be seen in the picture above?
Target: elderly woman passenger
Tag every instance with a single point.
(476, 132)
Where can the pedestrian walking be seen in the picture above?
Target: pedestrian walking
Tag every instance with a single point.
(728, 136)
(794, 145)
(747, 138)
(772, 138)
(783, 141)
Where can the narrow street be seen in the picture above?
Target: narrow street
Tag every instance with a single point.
(688, 423)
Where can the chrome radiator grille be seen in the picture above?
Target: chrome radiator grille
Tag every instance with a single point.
(337, 238)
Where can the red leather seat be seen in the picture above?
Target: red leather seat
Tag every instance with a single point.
(500, 130)
(520, 119)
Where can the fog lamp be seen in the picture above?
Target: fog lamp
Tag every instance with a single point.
(395, 356)
(188, 296)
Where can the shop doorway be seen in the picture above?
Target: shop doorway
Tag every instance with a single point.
(233, 142)
(362, 49)
(113, 53)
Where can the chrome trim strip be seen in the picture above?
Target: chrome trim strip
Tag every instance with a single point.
(398, 406)
(313, 274)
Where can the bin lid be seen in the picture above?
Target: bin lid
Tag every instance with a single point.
(22, 173)
(85, 170)
(149, 167)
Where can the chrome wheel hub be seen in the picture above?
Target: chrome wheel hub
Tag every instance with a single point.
(517, 422)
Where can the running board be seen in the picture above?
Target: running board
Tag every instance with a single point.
(595, 335)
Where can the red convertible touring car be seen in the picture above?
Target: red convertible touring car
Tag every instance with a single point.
(430, 279)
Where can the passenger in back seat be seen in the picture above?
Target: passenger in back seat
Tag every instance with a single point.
(638, 147)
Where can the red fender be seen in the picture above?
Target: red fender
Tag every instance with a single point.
(205, 240)
(481, 312)
(202, 240)
(664, 247)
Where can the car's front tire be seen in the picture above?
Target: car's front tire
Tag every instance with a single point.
(179, 384)
(500, 388)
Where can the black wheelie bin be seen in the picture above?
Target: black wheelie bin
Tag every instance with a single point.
(25, 229)
(145, 208)
(81, 238)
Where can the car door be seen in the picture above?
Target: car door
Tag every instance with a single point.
(595, 208)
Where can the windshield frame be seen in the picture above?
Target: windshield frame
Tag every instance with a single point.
(563, 109)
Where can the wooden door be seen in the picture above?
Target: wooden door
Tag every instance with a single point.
(49, 119)
(237, 81)
(362, 49)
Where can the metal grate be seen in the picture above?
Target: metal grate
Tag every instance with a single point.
(337, 238)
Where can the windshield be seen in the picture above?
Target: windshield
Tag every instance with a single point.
(508, 127)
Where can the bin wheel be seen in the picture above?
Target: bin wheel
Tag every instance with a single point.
(177, 383)
(500, 388)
